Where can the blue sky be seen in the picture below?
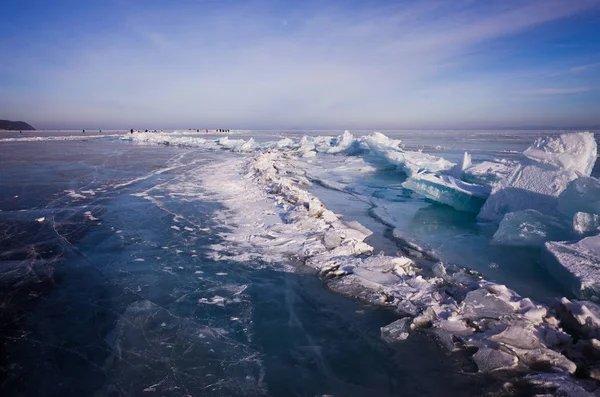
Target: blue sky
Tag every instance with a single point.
(306, 64)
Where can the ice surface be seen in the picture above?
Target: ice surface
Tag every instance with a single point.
(576, 265)
(82, 137)
(529, 228)
(581, 195)
(448, 190)
(575, 151)
(530, 186)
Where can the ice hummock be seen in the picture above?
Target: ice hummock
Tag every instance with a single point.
(408, 161)
(536, 183)
(345, 143)
(581, 195)
(532, 186)
(489, 172)
(530, 228)
(342, 144)
(448, 190)
(575, 264)
(575, 152)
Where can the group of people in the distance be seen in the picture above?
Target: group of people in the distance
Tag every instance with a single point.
(217, 130)
(131, 131)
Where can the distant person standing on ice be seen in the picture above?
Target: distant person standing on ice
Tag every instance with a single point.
(131, 131)
(83, 131)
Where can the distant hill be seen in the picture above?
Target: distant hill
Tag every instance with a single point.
(15, 125)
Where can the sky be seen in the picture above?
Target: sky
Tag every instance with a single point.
(301, 64)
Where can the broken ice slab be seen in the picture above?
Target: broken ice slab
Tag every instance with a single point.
(396, 331)
(530, 228)
(576, 265)
(560, 383)
(574, 152)
(581, 195)
(580, 318)
(533, 186)
(489, 360)
(448, 190)
(488, 172)
(480, 303)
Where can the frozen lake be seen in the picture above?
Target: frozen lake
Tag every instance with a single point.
(118, 275)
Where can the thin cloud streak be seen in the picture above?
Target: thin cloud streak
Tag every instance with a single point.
(583, 68)
(556, 91)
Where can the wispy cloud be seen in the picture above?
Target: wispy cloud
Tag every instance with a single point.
(556, 91)
(575, 69)
(326, 65)
(582, 68)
